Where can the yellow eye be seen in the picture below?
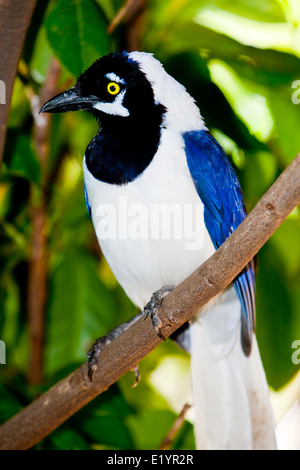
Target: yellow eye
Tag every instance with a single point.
(113, 88)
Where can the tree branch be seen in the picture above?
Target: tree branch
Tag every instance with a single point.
(70, 394)
(14, 21)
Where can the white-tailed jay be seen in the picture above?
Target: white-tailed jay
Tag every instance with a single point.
(163, 197)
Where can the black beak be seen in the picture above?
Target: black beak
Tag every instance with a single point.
(69, 100)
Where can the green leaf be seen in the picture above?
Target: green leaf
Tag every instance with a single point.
(287, 120)
(19, 156)
(9, 404)
(277, 319)
(68, 439)
(192, 36)
(150, 427)
(286, 242)
(9, 308)
(80, 308)
(268, 10)
(110, 7)
(191, 70)
(41, 56)
(108, 430)
(185, 438)
(103, 421)
(19, 106)
(76, 31)
(258, 175)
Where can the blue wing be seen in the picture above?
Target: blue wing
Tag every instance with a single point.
(87, 201)
(219, 189)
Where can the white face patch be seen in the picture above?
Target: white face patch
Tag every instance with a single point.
(115, 108)
(114, 78)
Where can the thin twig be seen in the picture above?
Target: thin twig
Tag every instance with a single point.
(69, 395)
(38, 257)
(168, 440)
(121, 15)
(135, 26)
(132, 13)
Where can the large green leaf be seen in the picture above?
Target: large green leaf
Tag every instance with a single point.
(192, 71)
(287, 119)
(259, 173)
(19, 156)
(80, 308)
(103, 421)
(277, 318)
(167, 16)
(41, 56)
(110, 7)
(150, 427)
(9, 403)
(192, 36)
(77, 33)
(266, 10)
(65, 438)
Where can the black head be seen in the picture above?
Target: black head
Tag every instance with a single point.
(112, 87)
(117, 92)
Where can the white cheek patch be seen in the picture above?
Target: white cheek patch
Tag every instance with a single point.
(115, 108)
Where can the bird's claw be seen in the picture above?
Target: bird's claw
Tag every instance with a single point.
(137, 376)
(100, 343)
(152, 308)
(93, 354)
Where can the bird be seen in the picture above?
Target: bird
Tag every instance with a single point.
(163, 197)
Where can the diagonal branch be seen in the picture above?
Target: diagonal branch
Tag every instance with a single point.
(70, 394)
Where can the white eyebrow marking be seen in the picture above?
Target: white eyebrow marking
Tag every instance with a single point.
(112, 76)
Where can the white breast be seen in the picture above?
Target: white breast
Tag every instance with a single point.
(144, 250)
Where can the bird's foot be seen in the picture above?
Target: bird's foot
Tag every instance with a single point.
(101, 343)
(137, 376)
(93, 354)
(152, 308)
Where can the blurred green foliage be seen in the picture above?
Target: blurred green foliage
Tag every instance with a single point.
(239, 60)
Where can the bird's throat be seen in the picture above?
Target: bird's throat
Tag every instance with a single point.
(124, 147)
